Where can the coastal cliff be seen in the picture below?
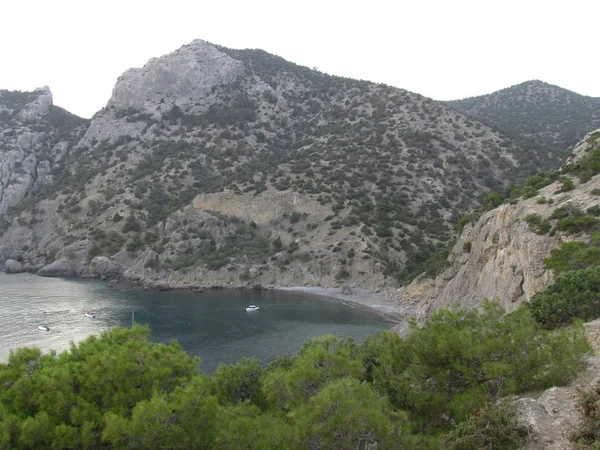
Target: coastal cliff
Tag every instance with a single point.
(501, 255)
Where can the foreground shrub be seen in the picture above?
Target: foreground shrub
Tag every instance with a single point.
(349, 414)
(462, 359)
(492, 427)
(575, 294)
(574, 255)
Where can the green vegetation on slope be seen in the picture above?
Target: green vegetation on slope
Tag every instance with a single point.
(120, 390)
(544, 118)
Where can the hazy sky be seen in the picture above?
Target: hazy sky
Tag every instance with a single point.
(444, 49)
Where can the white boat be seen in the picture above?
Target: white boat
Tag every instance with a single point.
(91, 316)
(43, 328)
(252, 308)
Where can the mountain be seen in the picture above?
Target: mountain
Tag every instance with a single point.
(235, 167)
(540, 116)
(502, 254)
(34, 135)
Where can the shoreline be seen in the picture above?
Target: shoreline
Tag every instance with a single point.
(364, 299)
(378, 303)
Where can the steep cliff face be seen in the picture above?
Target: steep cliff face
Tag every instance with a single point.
(34, 136)
(501, 256)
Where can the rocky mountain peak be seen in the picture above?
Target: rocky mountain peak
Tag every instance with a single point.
(185, 77)
(39, 107)
(587, 144)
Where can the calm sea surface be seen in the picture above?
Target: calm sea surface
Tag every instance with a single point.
(212, 324)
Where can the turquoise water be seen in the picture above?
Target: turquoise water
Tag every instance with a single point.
(212, 324)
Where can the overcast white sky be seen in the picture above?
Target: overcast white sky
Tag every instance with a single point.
(444, 49)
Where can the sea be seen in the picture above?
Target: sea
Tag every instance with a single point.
(212, 324)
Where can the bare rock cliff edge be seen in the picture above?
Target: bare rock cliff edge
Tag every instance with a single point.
(500, 256)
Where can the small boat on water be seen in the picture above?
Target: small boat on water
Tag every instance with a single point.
(252, 308)
(91, 316)
(43, 328)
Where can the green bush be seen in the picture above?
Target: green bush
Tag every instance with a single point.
(533, 219)
(567, 184)
(578, 224)
(461, 360)
(493, 427)
(437, 262)
(467, 247)
(589, 434)
(575, 294)
(574, 255)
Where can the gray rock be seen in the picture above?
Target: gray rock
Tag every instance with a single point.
(60, 268)
(132, 277)
(346, 290)
(151, 258)
(39, 107)
(9, 253)
(160, 286)
(12, 266)
(188, 73)
(103, 267)
(32, 268)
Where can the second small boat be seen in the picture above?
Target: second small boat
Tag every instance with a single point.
(252, 308)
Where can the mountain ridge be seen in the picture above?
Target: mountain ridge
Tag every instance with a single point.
(537, 115)
(385, 173)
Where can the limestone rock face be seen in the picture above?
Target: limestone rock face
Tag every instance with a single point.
(103, 267)
(12, 266)
(590, 142)
(39, 107)
(31, 143)
(64, 268)
(180, 78)
(504, 259)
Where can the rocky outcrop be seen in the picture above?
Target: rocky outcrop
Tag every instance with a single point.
(34, 136)
(501, 256)
(590, 142)
(181, 78)
(64, 268)
(552, 416)
(12, 266)
(38, 108)
(104, 268)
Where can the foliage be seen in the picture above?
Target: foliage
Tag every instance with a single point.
(589, 401)
(492, 427)
(545, 119)
(567, 184)
(578, 224)
(437, 262)
(491, 201)
(349, 414)
(462, 359)
(466, 219)
(574, 255)
(575, 294)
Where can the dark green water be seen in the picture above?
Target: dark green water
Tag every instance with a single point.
(212, 325)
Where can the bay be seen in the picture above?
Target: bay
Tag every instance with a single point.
(212, 324)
